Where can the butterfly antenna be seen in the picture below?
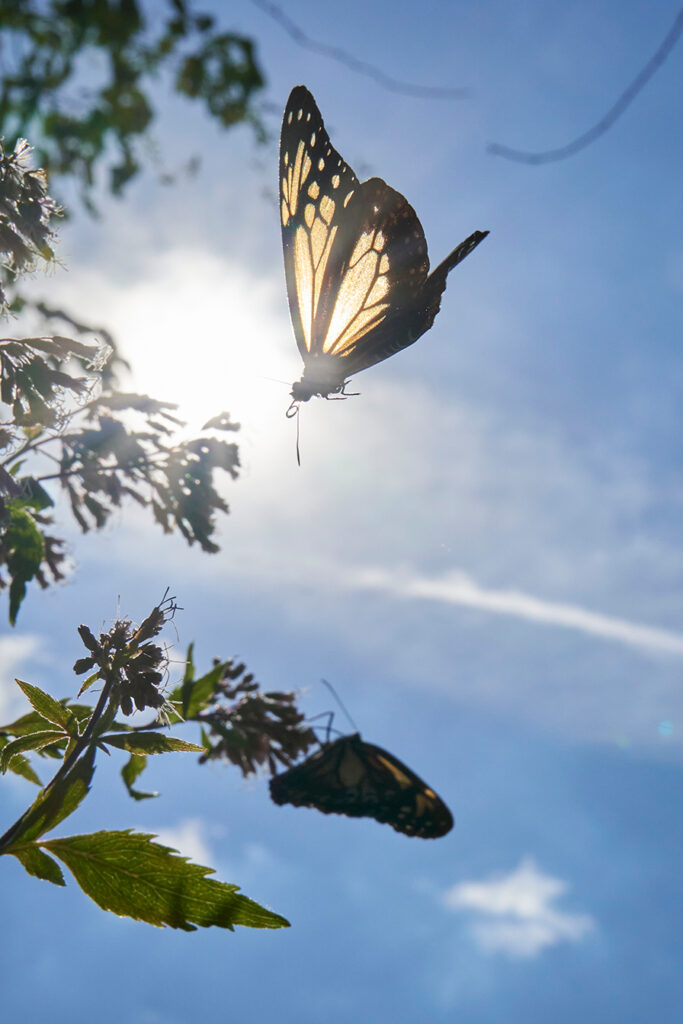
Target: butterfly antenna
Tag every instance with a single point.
(329, 715)
(339, 701)
(298, 452)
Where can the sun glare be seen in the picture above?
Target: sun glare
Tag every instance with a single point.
(203, 333)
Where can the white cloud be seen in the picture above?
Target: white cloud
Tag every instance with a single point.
(456, 587)
(15, 653)
(514, 914)
(189, 838)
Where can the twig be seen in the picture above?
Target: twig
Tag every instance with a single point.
(361, 67)
(605, 123)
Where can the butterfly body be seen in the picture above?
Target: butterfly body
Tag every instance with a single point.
(358, 779)
(356, 260)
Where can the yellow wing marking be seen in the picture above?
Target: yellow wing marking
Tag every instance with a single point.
(400, 776)
(312, 244)
(294, 180)
(422, 804)
(358, 307)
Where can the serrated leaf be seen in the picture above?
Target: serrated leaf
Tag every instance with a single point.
(149, 743)
(30, 722)
(88, 682)
(46, 705)
(188, 674)
(21, 765)
(25, 548)
(37, 863)
(196, 694)
(53, 804)
(34, 741)
(132, 769)
(128, 874)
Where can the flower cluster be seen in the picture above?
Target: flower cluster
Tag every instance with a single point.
(125, 658)
(250, 728)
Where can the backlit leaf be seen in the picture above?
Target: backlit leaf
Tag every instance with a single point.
(149, 743)
(127, 873)
(37, 863)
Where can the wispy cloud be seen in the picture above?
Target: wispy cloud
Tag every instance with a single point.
(514, 913)
(458, 588)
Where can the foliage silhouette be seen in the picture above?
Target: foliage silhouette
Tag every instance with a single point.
(65, 422)
(81, 80)
(124, 871)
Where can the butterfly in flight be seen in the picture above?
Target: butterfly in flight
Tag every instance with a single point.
(349, 776)
(356, 261)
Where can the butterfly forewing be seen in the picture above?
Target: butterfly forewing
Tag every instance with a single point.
(358, 779)
(315, 183)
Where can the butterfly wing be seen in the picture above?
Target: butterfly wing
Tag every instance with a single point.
(412, 310)
(358, 779)
(315, 185)
(356, 258)
(376, 270)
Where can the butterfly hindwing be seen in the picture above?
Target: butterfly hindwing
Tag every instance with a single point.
(358, 779)
(377, 267)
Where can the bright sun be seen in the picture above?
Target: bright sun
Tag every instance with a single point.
(204, 334)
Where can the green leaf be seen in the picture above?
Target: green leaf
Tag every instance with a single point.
(22, 766)
(47, 706)
(25, 548)
(188, 675)
(149, 743)
(35, 741)
(39, 864)
(89, 681)
(196, 694)
(127, 873)
(53, 804)
(33, 722)
(28, 723)
(132, 769)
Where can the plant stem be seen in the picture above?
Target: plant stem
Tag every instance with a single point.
(82, 743)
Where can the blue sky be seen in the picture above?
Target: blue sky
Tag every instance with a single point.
(482, 552)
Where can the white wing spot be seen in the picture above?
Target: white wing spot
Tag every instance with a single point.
(321, 164)
(335, 181)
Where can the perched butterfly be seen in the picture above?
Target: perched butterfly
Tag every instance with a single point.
(360, 780)
(356, 259)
